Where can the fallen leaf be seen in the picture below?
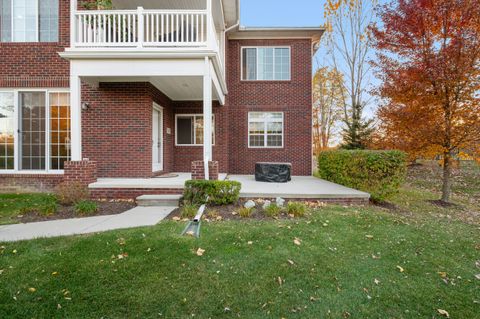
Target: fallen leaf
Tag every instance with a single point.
(32, 290)
(200, 251)
(477, 276)
(250, 243)
(176, 218)
(291, 262)
(369, 236)
(297, 241)
(149, 250)
(400, 269)
(442, 274)
(55, 273)
(59, 306)
(280, 280)
(376, 281)
(443, 313)
(14, 251)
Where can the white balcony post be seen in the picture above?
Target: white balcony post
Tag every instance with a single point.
(141, 26)
(76, 117)
(73, 11)
(207, 116)
(210, 31)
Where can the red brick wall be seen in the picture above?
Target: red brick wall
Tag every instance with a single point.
(37, 64)
(117, 129)
(29, 182)
(185, 155)
(294, 98)
(82, 172)
(198, 170)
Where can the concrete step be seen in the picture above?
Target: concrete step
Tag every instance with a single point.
(158, 200)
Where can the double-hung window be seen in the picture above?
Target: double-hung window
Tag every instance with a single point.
(265, 129)
(189, 129)
(266, 63)
(34, 130)
(29, 20)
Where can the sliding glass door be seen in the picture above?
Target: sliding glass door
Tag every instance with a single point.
(7, 131)
(34, 130)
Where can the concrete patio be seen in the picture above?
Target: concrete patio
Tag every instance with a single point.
(301, 187)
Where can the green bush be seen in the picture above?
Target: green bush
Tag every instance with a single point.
(86, 207)
(218, 192)
(272, 210)
(188, 211)
(296, 209)
(379, 173)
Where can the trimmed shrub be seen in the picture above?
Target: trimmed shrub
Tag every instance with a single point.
(379, 173)
(86, 207)
(71, 193)
(218, 192)
(296, 209)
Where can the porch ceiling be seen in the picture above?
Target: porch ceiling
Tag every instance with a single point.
(177, 88)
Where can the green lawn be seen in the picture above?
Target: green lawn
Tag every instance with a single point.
(333, 274)
(12, 205)
(352, 262)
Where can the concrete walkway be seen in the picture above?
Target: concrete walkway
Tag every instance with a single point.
(136, 217)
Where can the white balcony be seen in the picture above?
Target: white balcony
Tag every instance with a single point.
(144, 29)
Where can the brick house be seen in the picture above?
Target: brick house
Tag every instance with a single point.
(148, 88)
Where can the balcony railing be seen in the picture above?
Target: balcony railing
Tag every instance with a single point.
(142, 28)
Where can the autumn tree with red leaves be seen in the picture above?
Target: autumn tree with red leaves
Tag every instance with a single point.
(428, 58)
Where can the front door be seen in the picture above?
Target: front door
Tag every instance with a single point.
(157, 138)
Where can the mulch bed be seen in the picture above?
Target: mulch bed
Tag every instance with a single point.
(230, 212)
(66, 212)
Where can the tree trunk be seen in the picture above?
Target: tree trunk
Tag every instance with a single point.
(447, 172)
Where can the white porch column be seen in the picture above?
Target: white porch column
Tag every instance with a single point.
(73, 10)
(76, 117)
(207, 116)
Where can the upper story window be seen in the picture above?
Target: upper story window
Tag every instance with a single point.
(266, 63)
(29, 20)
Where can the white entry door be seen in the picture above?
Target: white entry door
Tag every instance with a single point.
(157, 138)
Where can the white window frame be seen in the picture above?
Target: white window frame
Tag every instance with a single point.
(194, 115)
(265, 134)
(16, 114)
(265, 47)
(37, 24)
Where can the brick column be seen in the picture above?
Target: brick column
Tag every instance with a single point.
(198, 170)
(83, 172)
